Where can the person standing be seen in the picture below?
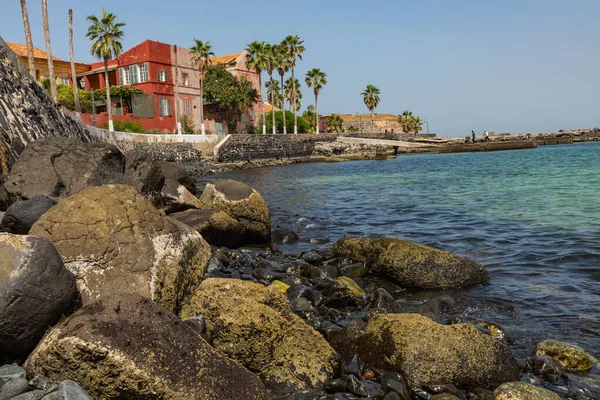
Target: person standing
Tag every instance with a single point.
(473, 136)
(486, 136)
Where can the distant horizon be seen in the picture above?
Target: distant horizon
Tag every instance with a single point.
(524, 66)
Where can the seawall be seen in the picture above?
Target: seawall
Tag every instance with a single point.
(402, 137)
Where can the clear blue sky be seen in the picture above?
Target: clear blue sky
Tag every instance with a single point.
(502, 65)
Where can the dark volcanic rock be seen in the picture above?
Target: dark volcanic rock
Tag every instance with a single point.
(286, 236)
(143, 172)
(4, 198)
(172, 172)
(215, 226)
(130, 347)
(35, 291)
(20, 216)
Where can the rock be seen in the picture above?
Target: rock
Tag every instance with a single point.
(66, 390)
(115, 241)
(33, 395)
(523, 391)
(357, 270)
(12, 371)
(13, 388)
(280, 285)
(130, 347)
(545, 367)
(4, 198)
(143, 172)
(410, 264)
(352, 286)
(215, 226)
(242, 203)
(571, 357)
(394, 382)
(62, 166)
(257, 328)
(35, 291)
(425, 352)
(286, 236)
(173, 173)
(20, 216)
(175, 197)
(444, 396)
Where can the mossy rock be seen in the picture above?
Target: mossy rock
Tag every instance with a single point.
(175, 197)
(256, 327)
(215, 226)
(411, 265)
(352, 286)
(114, 241)
(571, 357)
(131, 348)
(523, 391)
(280, 285)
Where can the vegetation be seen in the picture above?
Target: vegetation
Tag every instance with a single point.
(234, 96)
(316, 79)
(293, 94)
(127, 126)
(303, 125)
(335, 124)
(371, 99)
(410, 123)
(106, 35)
(353, 129)
(274, 92)
(294, 48)
(256, 59)
(283, 65)
(117, 91)
(187, 125)
(201, 53)
(309, 116)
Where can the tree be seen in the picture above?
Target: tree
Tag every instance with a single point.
(106, 35)
(316, 79)
(256, 59)
(201, 54)
(410, 123)
(28, 40)
(274, 92)
(283, 65)
(51, 75)
(234, 96)
(335, 123)
(303, 123)
(295, 49)
(271, 66)
(309, 116)
(293, 95)
(73, 73)
(371, 99)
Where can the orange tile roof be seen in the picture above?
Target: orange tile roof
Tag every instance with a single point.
(268, 107)
(226, 59)
(21, 51)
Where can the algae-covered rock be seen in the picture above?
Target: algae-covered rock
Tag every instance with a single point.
(571, 357)
(244, 204)
(523, 391)
(425, 352)
(175, 197)
(215, 226)
(255, 326)
(115, 241)
(131, 348)
(410, 264)
(280, 285)
(352, 286)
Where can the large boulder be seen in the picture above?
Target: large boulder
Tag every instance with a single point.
(215, 226)
(4, 198)
(62, 166)
(255, 325)
(143, 172)
(36, 290)
(523, 391)
(115, 241)
(244, 204)
(425, 352)
(411, 265)
(176, 197)
(20, 216)
(131, 348)
(173, 173)
(571, 357)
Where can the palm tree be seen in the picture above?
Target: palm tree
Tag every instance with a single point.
(335, 123)
(270, 67)
(371, 99)
(201, 53)
(106, 35)
(417, 125)
(405, 120)
(256, 59)
(274, 92)
(52, 78)
(295, 49)
(316, 79)
(28, 40)
(73, 73)
(283, 66)
(293, 93)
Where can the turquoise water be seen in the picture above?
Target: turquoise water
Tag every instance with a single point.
(531, 217)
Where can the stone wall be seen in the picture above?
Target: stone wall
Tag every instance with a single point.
(366, 126)
(404, 137)
(236, 148)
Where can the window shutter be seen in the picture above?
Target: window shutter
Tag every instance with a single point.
(121, 77)
(169, 113)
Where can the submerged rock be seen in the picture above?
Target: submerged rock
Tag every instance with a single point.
(523, 391)
(286, 236)
(215, 226)
(115, 242)
(20, 216)
(130, 347)
(410, 264)
(571, 357)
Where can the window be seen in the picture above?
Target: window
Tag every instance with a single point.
(165, 107)
(187, 106)
(144, 72)
(133, 74)
(186, 80)
(162, 75)
(63, 81)
(251, 112)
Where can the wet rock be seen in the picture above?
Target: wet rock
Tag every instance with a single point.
(285, 236)
(5, 201)
(355, 386)
(172, 172)
(356, 270)
(142, 172)
(410, 264)
(571, 357)
(130, 347)
(280, 285)
(62, 166)
(545, 367)
(66, 390)
(352, 286)
(13, 388)
(444, 396)
(242, 203)
(426, 352)
(216, 227)
(337, 293)
(257, 328)
(393, 382)
(335, 386)
(345, 341)
(394, 396)
(175, 197)
(35, 291)
(373, 389)
(522, 391)
(420, 394)
(115, 241)
(20, 216)
(493, 330)
(355, 367)
(313, 257)
(383, 300)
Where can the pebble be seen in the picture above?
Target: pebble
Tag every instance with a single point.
(66, 390)
(13, 388)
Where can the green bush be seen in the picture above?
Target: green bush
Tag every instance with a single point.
(155, 132)
(303, 126)
(127, 126)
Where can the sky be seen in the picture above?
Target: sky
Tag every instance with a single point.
(498, 65)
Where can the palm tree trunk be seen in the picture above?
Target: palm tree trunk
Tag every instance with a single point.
(202, 127)
(176, 82)
(283, 106)
(317, 113)
(273, 104)
(294, 103)
(264, 122)
(111, 126)
(28, 40)
(73, 73)
(373, 120)
(53, 91)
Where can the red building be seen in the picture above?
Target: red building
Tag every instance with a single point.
(152, 67)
